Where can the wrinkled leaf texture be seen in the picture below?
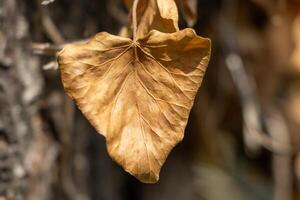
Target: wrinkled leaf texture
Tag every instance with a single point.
(137, 95)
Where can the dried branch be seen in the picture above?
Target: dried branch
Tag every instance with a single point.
(49, 26)
(46, 48)
(254, 133)
(51, 66)
(47, 2)
(282, 168)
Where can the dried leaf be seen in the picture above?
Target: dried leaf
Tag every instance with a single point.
(138, 95)
(168, 11)
(161, 15)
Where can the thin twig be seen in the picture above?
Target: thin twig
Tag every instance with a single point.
(53, 65)
(49, 26)
(134, 19)
(48, 49)
(47, 2)
(282, 168)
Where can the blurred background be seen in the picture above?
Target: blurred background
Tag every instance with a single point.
(242, 141)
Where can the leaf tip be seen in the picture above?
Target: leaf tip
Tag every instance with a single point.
(150, 177)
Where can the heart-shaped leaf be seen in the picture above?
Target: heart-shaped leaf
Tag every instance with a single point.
(137, 94)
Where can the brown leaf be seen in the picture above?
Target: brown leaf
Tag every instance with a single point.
(161, 15)
(138, 95)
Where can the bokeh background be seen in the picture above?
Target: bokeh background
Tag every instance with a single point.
(242, 139)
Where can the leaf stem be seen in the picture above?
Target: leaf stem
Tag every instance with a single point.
(134, 20)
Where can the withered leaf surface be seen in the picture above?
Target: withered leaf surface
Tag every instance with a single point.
(138, 95)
